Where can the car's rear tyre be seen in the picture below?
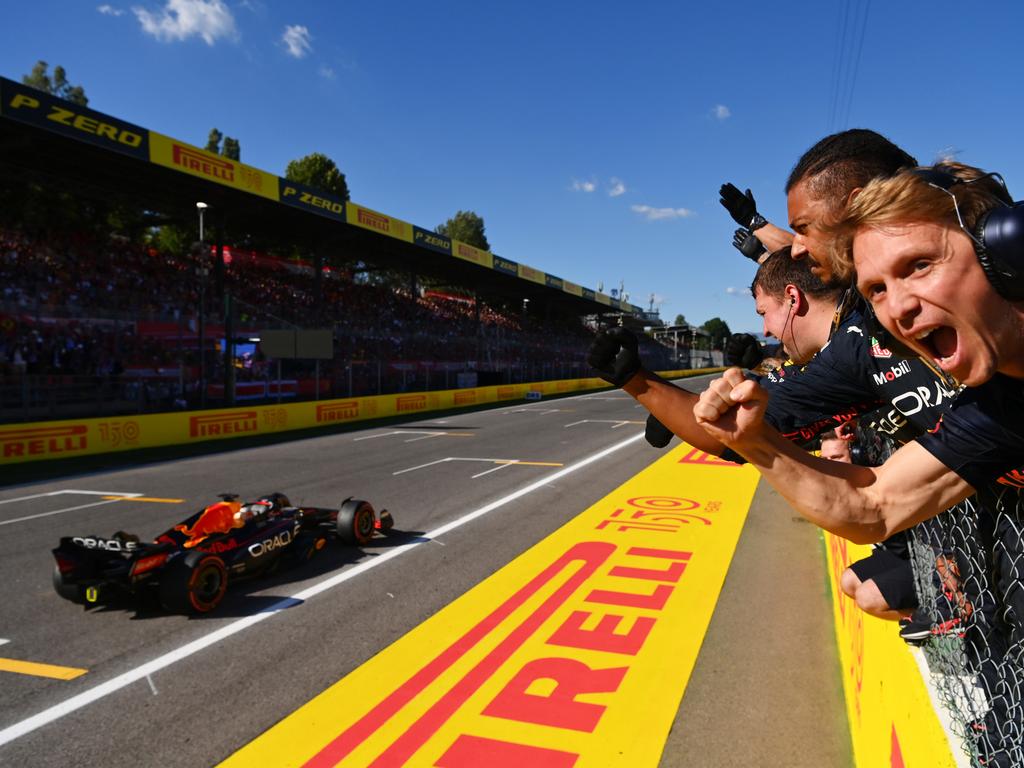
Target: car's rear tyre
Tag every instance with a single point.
(355, 522)
(195, 583)
(68, 591)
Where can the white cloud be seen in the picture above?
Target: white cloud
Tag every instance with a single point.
(721, 112)
(326, 72)
(297, 40)
(657, 214)
(616, 188)
(733, 291)
(109, 10)
(182, 19)
(584, 186)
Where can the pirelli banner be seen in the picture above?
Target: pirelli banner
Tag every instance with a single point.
(83, 437)
(893, 720)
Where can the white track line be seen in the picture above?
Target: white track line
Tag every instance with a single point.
(61, 511)
(98, 692)
(59, 493)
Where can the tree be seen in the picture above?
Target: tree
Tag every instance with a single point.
(718, 330)
(231, 148)
(467, 227)
(58, 85)
(319, 172)
(213, 142)
(680, 320)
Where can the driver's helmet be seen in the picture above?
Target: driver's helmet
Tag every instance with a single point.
(256, 510)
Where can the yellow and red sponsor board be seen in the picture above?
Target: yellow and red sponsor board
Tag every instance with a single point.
(467, 252)
(533, 275)
(82, 437)
(577, 653)
(179, 156)
(893, 723)
(382, 224)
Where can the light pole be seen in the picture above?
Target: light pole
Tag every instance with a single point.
(203, 271)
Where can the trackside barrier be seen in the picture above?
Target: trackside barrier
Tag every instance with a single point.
(41, 441)
(892, 719)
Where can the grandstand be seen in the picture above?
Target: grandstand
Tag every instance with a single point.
(99, 320)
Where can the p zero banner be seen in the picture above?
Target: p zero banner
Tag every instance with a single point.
(39, 441)
(308, 199)
(435, 242)
(27, 105)
(366, 218)
(180, 156)
(553, 282)
(892, 718)
(507, 266)
(577, 653)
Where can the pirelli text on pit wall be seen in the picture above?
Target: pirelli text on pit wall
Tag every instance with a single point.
(188, 567)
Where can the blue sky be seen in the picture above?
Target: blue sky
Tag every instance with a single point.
(592, 137)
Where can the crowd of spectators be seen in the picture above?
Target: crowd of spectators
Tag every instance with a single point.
(74, 305)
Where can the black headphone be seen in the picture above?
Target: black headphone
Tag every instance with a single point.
(998, 236)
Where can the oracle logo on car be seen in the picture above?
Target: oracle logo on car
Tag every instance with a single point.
(41, 441)
(337, 411)
(222, 424)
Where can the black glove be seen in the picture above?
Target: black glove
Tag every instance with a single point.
(657, 434)
(748, 244)
(743, 350)
(741, 207)
(615, 356)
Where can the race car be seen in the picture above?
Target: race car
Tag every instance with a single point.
(188, 567)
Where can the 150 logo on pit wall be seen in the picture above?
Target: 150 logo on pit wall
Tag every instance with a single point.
(117, 433)
(222, 424)
(44, 441)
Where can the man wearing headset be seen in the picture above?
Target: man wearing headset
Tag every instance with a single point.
(952, 294)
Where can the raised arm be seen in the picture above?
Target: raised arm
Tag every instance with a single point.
(862, 504)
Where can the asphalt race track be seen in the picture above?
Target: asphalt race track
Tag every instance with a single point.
(124, 687)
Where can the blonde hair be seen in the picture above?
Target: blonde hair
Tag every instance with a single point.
(909, 198)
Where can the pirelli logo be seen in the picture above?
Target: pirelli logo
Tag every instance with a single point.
(411, 403)
(199, 162)
(373, 220)
(44, 441)
(465, 398)
(506, 393)
(337, 411)
(222, 424)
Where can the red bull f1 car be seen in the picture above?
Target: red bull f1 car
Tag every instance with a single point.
(188, 567)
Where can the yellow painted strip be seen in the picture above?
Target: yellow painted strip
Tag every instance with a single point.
(577, 653)
(144, 498)
(40, 670)
(892, 720)
(529, 463)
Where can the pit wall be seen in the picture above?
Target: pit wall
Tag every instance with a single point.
(41, 441)
(893, 722)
